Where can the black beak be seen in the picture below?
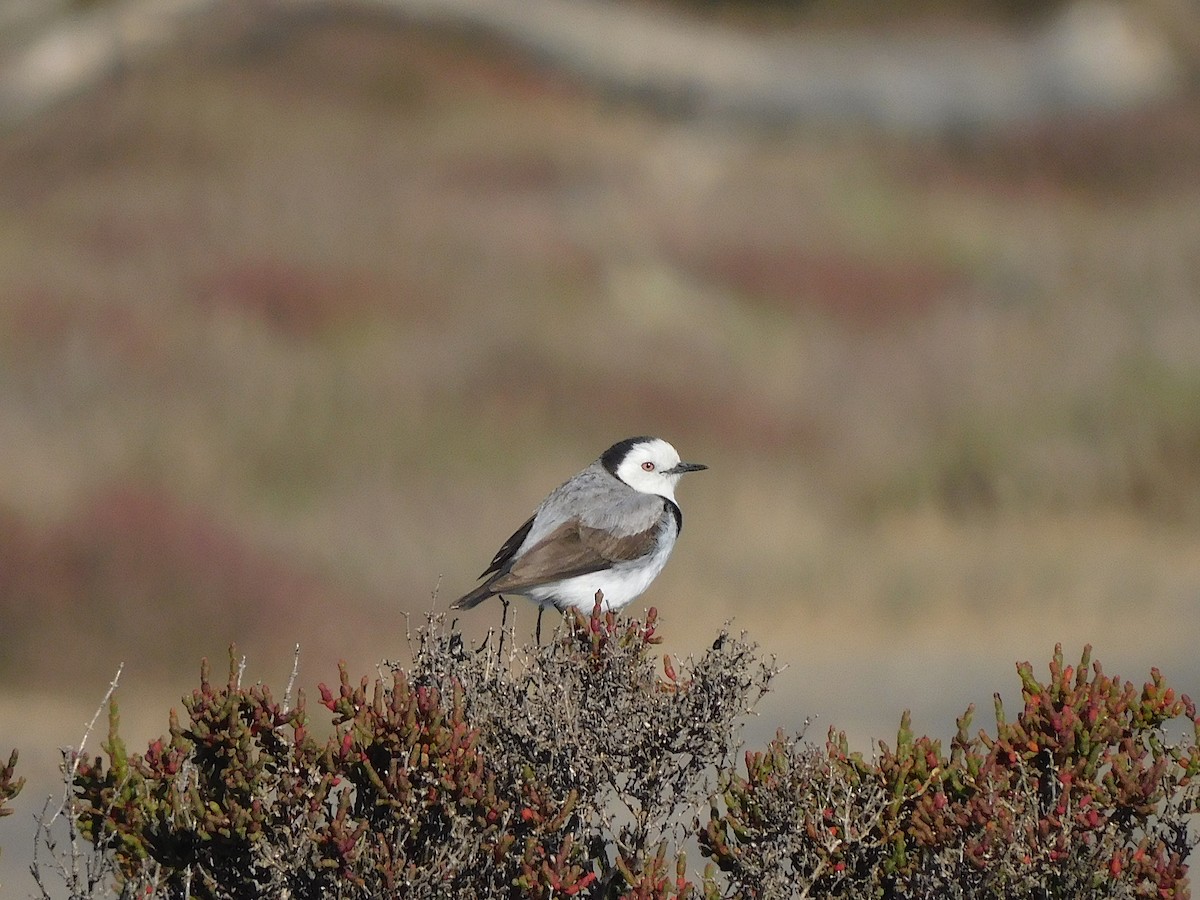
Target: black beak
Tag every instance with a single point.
(682, 467)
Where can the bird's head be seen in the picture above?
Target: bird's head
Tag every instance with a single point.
(647, 464)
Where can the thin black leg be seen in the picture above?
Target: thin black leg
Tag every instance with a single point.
(503, 623)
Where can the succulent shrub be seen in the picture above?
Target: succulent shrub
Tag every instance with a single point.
(1083, 796)
(586, 767)
(10, 785)
(572, 769)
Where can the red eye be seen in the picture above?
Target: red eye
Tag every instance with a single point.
(648, 466)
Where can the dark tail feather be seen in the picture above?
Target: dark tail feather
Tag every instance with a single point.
(474, 598)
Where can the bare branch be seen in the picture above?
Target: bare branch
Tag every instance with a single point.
(287, 694)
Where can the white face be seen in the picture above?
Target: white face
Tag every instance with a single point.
(646, 465)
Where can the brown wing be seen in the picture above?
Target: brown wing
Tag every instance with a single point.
(572, 549)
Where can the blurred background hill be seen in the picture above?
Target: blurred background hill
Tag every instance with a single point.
(303, 307)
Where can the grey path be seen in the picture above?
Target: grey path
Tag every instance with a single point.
(1096, 55)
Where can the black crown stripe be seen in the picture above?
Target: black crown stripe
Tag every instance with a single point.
(611, 458)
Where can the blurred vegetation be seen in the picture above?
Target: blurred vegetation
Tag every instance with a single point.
(319, 280)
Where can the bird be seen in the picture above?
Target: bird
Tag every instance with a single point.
(602, 535)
